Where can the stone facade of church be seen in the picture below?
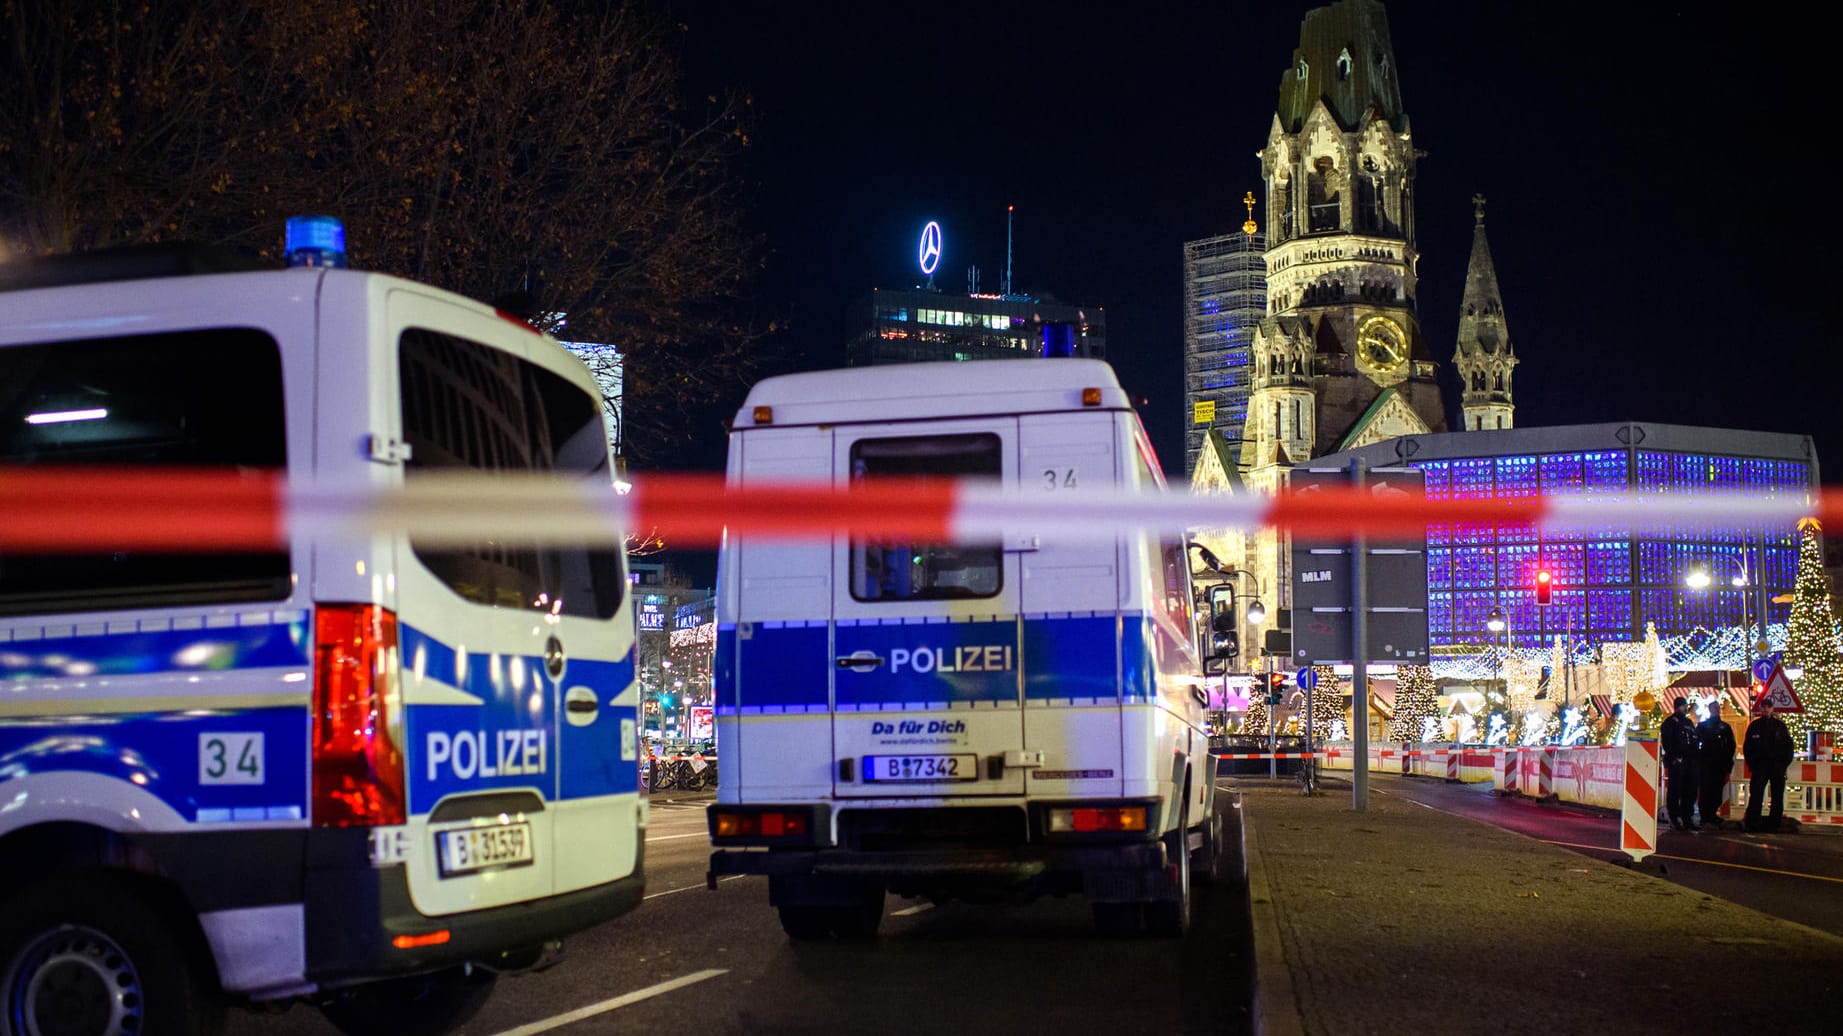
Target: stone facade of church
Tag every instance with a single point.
(1339, 359)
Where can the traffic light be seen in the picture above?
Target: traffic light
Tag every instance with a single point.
(1276, 686)
(1545, 586)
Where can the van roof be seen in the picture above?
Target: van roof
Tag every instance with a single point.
(907, 391)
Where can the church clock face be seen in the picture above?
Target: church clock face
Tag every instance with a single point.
(1382, 346)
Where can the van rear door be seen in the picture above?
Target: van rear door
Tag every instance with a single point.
(1072, 633)
(926, 660)
(520, 755)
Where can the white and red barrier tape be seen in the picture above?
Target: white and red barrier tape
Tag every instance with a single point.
(50, 509)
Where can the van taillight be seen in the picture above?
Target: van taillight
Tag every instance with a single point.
(358, 768)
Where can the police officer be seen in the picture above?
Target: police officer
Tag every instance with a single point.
(1768, 750)
(1715, 759)
(1678, 741)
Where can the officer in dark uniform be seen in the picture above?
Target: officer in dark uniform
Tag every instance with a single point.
(1678, 741)
(1715, 758)
(1768, 749)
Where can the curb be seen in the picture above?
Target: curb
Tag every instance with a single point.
(1276, 1005)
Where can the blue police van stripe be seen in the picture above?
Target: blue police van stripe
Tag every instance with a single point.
(1094, 658)
(783, 667)
(515, 737)
(157, 651)
(1074, 657)
(205, 763)
(955, 663)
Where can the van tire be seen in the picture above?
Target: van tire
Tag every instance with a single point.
(1171, 917)
(805, 922)
(418, 1005)
(1212, 859)
(106, 939)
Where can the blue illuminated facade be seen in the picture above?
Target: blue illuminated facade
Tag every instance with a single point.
(1610, 581)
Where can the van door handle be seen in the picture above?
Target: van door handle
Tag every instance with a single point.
(580, 706)
(860, 660)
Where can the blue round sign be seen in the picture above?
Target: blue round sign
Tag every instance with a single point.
(1763, 669)
(1307, 679)
(930, 253)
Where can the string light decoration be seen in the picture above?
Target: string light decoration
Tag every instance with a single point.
(1327, 702)
(1416, 702)
(1255, 720)
(1811, 644)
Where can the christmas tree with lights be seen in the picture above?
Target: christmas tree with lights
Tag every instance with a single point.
(1811, 644)
(1328, 703)
(1415, 702)
(1255, 721)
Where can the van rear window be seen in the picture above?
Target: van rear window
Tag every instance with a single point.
(901, 570)
(472, 407)
(199, 398)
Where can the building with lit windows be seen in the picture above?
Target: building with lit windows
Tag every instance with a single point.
(1610, 583)
(1225, 299)
(916, 325)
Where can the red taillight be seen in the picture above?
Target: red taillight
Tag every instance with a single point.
(760, 825)
(410, 942)
(358, 769)
(1089, 820)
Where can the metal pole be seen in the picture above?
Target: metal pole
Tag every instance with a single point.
(1359, 653)
(1273, 726)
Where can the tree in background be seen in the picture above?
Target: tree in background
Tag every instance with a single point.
(1415, 702)
(1330, 703)
(1811, 644)
(484, 147)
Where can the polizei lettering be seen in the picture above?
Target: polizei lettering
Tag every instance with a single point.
(487, 753)
(965, 658)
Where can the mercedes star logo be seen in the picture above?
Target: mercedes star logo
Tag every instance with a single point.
(930, 247)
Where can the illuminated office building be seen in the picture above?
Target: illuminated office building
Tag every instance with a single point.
(915, 325)
(1225, 298)
(1609, 582)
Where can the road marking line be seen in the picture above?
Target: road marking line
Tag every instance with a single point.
(569, 1017)
(1712, 863)
(912, 910)
(668, 838)
(688, 888)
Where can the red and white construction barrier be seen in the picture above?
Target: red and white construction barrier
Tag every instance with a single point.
(1638, 815)
(46, 508)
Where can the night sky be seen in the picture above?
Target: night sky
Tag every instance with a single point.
(1658, 196)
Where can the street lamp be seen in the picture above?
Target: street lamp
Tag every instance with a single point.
(1496, 623)
(1699, 578)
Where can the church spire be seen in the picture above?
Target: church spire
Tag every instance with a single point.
(1485, 358)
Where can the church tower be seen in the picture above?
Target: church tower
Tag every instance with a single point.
(1342, 343)
(1485, 359)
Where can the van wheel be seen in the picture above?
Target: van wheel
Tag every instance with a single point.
(1212, 860)
(1119, 920)
(861, 920)
(419, 1005)
(804, 923)
(1172, 916)
(94, 957)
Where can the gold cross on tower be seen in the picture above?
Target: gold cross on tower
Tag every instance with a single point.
(1478, 207)
(1249, 227)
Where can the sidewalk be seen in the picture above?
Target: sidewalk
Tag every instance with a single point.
(1408, 920)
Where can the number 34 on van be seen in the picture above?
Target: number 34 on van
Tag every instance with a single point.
(483, 753)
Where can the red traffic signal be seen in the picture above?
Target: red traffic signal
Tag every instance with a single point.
(1276, 680)
(1545, 586)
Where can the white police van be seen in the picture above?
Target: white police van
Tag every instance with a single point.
(362, 770)
(980, 720)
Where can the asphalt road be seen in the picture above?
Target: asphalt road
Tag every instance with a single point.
(690, 959)
(1798, 877)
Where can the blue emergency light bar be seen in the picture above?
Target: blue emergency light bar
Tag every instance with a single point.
(315, 241)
